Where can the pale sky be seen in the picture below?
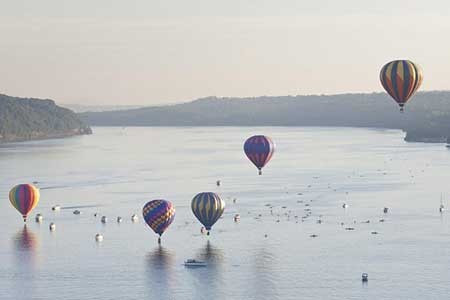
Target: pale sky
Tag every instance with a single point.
(154, 52)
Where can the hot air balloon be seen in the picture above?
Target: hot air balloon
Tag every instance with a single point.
(158, 214)
(259, 149)
(207, 208)
(401, 79)
(24, 197)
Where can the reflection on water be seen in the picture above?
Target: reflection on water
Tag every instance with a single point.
(209, 283)
(25, 244)
(212, 255)
(160, 273)
(264, 270)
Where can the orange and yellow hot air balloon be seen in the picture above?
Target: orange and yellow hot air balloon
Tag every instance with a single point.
(401, 79)
(24, 197)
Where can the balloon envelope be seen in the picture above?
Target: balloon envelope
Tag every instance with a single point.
(158, 214)
(24, 197)
(207, 208)
(259, 150)
(401, 79)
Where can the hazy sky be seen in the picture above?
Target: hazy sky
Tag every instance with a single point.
(154, 52)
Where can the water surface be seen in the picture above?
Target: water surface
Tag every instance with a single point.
(266, 255)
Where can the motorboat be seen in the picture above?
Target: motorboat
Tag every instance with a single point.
(39, 218)
(441, 207)
(365, 277)
(52, 226)
(134, 218)
(194, 263)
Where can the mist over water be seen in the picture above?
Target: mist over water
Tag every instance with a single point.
(117, 170)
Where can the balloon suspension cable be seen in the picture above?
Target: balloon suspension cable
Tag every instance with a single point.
(260, 172)
(159, 240)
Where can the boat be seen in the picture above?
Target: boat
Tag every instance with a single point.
(134, 218)
(365, 277)
(194, 263)
(39, 218)
(52, 226)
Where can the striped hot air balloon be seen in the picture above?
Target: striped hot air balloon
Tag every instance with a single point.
(401, 79)
(207, 208)
(158, 214)
(259, 149)
(24, 197)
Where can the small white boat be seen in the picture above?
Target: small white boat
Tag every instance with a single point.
(119, 219)
(385, 210)
(77, 212)
(98, 237)
(104, 219)
(237, 217)
(52, 226)
(194, 263)
(56, 208)
(218, 182)
(134, 218)
(365, 277)
(345, 205)
(39, 218)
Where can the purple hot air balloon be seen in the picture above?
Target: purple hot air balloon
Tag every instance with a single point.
(259, 149)
(158, 214)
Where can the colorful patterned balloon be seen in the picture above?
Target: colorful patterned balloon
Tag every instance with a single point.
(24, 197)
(259, 149)
(207, 208)
(401, 79)
(158, 214)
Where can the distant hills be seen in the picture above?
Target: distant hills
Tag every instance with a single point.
(80, 108)
(426, 117)
(28, 119)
